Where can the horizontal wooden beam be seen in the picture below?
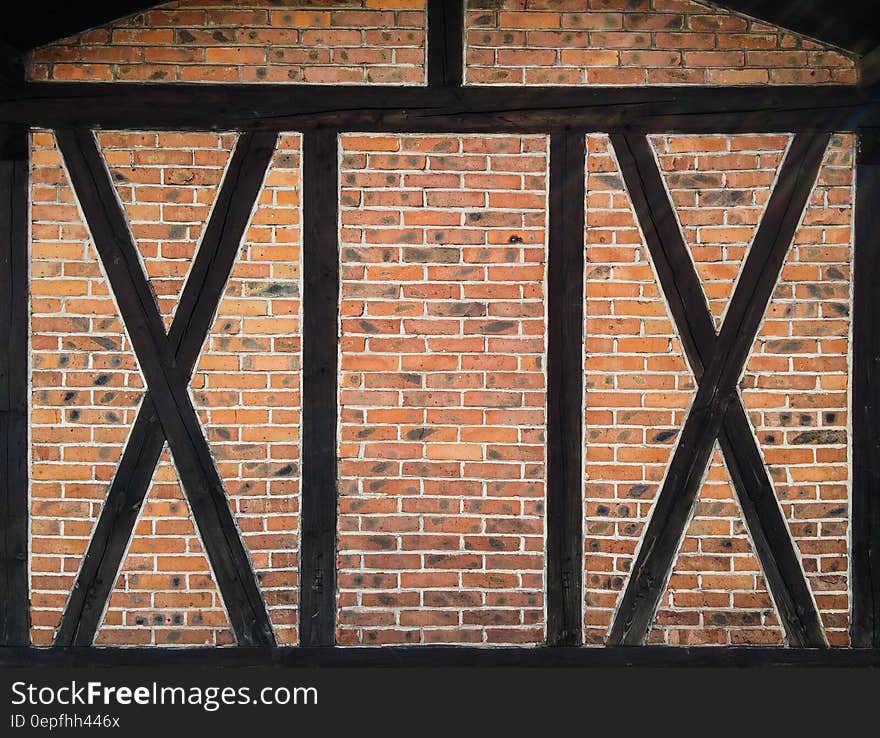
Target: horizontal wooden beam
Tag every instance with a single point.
(487, 109)
(465, 656)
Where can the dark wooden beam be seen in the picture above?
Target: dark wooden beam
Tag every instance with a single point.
(440, 656)
(14, 344)
(165, 106)
(11, 64)
(167, 382)
(869, 68)
(716, 393)
(320, 331)
(565, 371)
(865, 514)
(445, 58)
(192, 320)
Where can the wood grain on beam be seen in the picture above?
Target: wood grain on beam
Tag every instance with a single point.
(320, 411)
(565, 373)
(865, 553)
(14, 345)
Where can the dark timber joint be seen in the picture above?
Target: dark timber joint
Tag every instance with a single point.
(167, 412)
(717, 411)
(14, 254)
(445, 43)
(317, 606)
(565, 296)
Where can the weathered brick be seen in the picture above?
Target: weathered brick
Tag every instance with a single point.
(525, 43)
(450, 446)
(348, 41)
(710, 197)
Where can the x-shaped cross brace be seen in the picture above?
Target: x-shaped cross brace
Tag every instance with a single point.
(717, 411)
(167, 362)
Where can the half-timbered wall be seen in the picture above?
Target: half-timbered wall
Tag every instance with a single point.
(328, 386)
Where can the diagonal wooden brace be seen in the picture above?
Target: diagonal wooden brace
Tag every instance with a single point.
(167, 412)
(717, 411)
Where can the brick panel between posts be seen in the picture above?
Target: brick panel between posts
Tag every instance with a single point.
(442, 395)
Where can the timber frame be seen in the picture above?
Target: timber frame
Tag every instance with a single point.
(444, 105)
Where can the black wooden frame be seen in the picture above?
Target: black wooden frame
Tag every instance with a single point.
(14, 343)
(866, 396)
(444, 105)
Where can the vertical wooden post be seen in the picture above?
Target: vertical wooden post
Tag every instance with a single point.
(865, 565)
(445, 43)
(565, 370)
(320, 332)
(14, 604)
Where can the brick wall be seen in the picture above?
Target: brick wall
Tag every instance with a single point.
(442, 389)
(567, 42)
(716, 593)
(638, 42)
(86, 387)
(638, 387)
(247, 387)
(329, 41)
(719, 187)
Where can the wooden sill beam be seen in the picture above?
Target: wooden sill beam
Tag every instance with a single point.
(402, 109)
